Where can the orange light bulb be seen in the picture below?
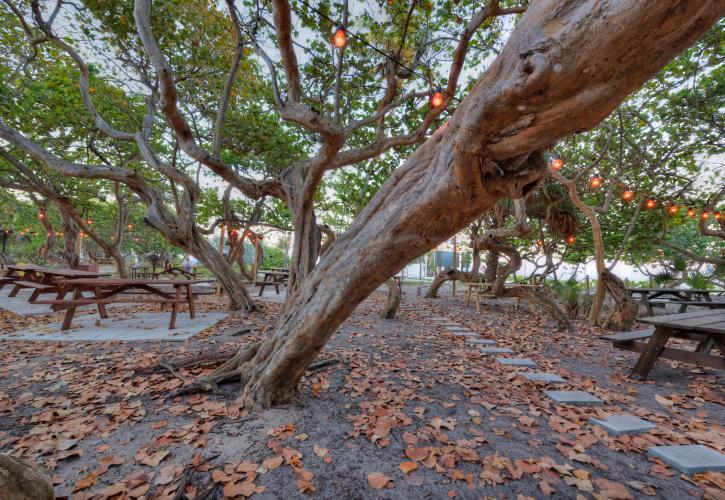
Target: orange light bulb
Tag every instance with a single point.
(690, 212)
(705, 215)
(717, 215)
(650, 204)
(436, 99)
(627, 195)
(673, 209)
(339, 39)
(570, 239)
(595, 182)
(557, 164)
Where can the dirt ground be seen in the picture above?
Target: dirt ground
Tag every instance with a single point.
(409, 411)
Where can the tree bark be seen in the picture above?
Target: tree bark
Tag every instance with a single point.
(448, 275)
(565, 67)
(70, 240)
(20, 480)
(393, 301)
(625, 314)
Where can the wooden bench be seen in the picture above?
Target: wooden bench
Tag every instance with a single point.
(263, 284)
(37, 288)
(627, 337)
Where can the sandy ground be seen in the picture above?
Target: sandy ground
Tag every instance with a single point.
(404, 391)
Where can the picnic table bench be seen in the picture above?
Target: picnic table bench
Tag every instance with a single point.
(118, 291)
(271, 278)
(659, 297)
(705, 327)
(43, 279)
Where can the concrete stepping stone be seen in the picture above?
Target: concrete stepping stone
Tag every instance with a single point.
(525, 362)
(488, 342)
(437, 319)
(623, 424)
(690, 459)
(573, 397)
(496, 350)
(456, 328)
(543, 377)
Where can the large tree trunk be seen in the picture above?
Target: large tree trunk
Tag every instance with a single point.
(625, 314)
(491, 266)
(448, 275)
(565, 67)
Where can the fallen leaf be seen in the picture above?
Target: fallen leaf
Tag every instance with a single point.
(408, 467)
(378, 480)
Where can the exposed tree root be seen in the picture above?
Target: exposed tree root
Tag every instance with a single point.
(626, 312)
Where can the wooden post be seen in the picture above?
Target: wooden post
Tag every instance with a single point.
(651, 282)
(586, 283)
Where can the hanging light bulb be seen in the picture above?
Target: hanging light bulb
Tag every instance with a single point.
(558, 163)
(690, 212)
(540, 243)
(130, 226)
(339, 39)
(627, 195)
(90, 222)
(673, 209)
(650, 204)
(436, 99)
(717, 215)
(41, 215)
(705, 215)
(595, 182)
(570, 239)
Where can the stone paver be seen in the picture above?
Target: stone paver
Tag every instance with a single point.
(496, 350)
(623, 424)
(457, 328)
(467, 334)
(543, 377)
(525, 362)
(690, 458)
(573, 397)
(488, 342)
(133, 326)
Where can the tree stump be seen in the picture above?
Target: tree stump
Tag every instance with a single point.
(626, 312)
(393, 301)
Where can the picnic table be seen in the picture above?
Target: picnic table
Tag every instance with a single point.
(271, 278)
(116, 291)
(707, 327)
(41, 279)
(479, 288)
(150, 272)
(682, 296)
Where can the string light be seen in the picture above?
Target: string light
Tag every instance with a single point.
(650, 204)
(130, 226)
(557, 164)
(339, 39)
(705, 215)
(436, 99)
(89, 222)
(41, 215)
(627, 195)
(673, 209)
(595, 182)
(690, 212)
(540, 243)
(570, 239)
(717, 215)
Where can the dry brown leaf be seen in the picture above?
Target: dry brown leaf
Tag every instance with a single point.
(378, 480)
(408, 466)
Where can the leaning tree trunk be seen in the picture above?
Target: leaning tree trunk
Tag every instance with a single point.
(491, 266)
(393, 301)
(549, 80)
(448, 275)
(625, 314)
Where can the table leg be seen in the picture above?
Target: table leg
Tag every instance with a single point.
(190, 299)
(101, 307)
(683, 307)
(654, 347)
(77, 294)
(468, 295)
(706, 345)
(174, 309)
(478, 299)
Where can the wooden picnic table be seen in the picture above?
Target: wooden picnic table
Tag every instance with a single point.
(44, 279)
(705, 327)
(107, 291)
(271, 278)
(683, 296)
